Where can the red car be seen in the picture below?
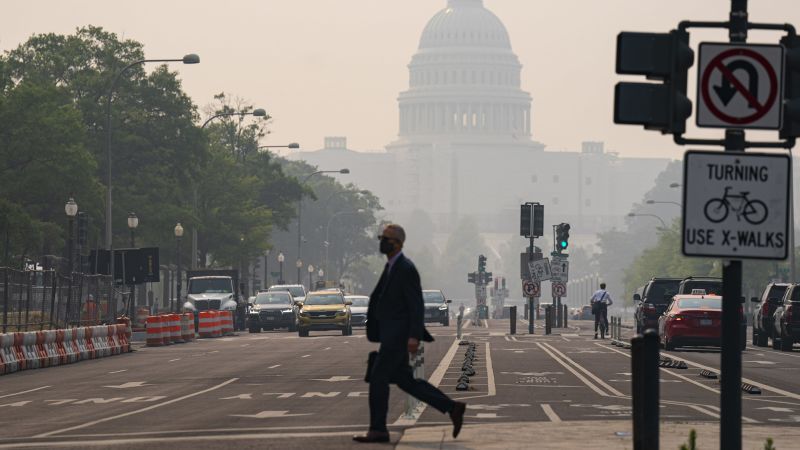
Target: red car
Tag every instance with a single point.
(691, 320)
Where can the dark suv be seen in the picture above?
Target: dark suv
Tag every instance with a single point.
(763, 314)
(786, 321)
(436, 307)
(653, 301)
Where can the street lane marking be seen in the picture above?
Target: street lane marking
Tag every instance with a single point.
(269, 415)
(574, 372)
(548, 411)
(130, 413)
(25, 392)
(763, 386)
(119, 371)
(492, 389)
(587, 372)
(272, 367)
(173, 360)
(305, 356)
(435, 379)
(704, 411)
(130, 384)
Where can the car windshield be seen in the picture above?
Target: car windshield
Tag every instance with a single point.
(359, 301)
(296, 291)
(273, 299)
(712, 287)
(433, 297)
(660, 292)
(795, 295)
(210, 286)
(700, 303)
(323, 299)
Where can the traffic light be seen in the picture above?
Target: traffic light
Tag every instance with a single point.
(525, 219)
(471, 278)
(487, 277)
(659, 56)
(791, 83)
(562, 237)
(538, 220)
(481, 264)
(504, 283)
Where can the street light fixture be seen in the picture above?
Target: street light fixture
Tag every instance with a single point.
(299, 265)
(293, 145)
(133, 222)
(674, 185)
(321, 274)
(281, 258)
(187, 59)
(71, 209)
(344, 171)
(663, 224)
(178, 235)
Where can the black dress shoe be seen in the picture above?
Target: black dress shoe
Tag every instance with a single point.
(372, 436)
(457, 416)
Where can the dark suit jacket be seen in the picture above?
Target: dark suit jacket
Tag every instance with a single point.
(396, 309)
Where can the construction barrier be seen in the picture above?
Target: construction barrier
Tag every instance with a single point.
(226, 323)
(217, 324)
(140, 319)
(154, 331)
(49, 348)
(166, 333)
(176, 336)
(187, 327)
(206, 329)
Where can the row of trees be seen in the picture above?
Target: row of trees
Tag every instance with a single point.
(215, 180)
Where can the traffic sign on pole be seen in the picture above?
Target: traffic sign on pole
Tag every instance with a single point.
(739, 86)
(539, 269)
(559, 269)
(736, 205)
(559, 289)
(531, 288)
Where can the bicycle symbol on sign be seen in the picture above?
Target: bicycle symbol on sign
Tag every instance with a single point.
(753, 211)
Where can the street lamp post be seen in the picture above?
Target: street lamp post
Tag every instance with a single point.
(328, 229)
(300, 212)
(187, 59)
(266, 273)
(310, 273)
(178, 235)
(133, 222)
(321, 274)
(281, 258)
(299, 265)
(663, 224)
(258, 112)
(71, 209)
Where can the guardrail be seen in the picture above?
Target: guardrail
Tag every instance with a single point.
(45, 299)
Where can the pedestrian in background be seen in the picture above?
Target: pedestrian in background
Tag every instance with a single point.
(395, 319)
(600, 302)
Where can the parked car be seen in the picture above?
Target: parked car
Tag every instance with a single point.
(586, 313)
(271, 310)
(653, 301)
(691, 320)
(437, 308)
(765, 312)
(786, 320)
(298, 291)
(358, 309)
(325, 310)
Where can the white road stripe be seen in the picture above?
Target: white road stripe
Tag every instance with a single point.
(588, 373)
(119, 371)
(763, 386)
(704, 411)
(276, 365)
(305, 356)
(25, 392)
(548, 411)
(574, 372)
(131, 413)
(492, 389)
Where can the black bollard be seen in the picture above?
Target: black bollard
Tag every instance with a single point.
(645, 387)
(566, 312)
(512, 317)
(548, 319)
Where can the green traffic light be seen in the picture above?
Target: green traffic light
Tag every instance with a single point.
(563, 244)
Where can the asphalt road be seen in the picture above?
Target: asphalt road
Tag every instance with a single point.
(277, 390)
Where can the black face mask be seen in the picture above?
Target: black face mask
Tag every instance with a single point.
(386, 246)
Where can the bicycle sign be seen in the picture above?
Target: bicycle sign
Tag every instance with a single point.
(736, 205)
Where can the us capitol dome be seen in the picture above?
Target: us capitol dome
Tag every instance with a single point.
(464, 79)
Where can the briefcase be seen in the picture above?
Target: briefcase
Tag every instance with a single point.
(370, 364)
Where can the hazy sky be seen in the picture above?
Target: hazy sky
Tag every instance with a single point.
(335, 67)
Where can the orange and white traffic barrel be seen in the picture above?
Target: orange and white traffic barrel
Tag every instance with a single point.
(166, 334)
(206, 324)
(226, 322)
(188, 331)
(154, 331)
(140, 319)
(217, 329)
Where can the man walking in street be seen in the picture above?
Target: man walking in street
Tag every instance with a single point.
(395, 318)
(600, 302)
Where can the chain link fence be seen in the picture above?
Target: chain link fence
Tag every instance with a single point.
(45, 299)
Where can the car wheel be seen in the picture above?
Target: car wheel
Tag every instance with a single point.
(255, 329)
(668, 345)
(763, 340)
(350, 329)
(344, 331)
(302, 333)
(446, 321)
(755, 337)
(776, 343)
(292, 327)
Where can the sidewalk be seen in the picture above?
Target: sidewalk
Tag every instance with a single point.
(595, 435)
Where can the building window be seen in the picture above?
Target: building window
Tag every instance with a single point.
(555, 178)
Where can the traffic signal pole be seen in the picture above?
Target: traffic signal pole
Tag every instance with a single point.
(731, 353)
(531, 310)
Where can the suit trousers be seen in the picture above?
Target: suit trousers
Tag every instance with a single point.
(391, 366)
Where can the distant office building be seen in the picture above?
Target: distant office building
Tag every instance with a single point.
(465, 147)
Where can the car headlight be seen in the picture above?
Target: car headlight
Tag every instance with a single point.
(286, 311)
(443, 308)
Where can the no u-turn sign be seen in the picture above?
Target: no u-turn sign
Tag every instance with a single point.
(739, 86)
